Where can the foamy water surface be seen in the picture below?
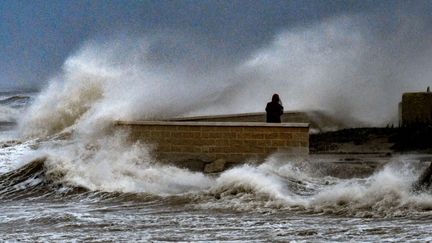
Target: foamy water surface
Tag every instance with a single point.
(65, 176)
(62, 190)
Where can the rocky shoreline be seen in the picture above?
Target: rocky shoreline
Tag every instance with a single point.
(359, 152)
(373, 141)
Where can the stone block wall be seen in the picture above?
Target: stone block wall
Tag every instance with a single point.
(209, 141)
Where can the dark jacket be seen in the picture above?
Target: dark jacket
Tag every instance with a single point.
(274, 112)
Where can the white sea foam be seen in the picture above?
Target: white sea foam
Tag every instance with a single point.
(123, 78)
(138, 77)
(14, 154)
(61, 104)
(8, 114)
(110, 165)
(387, 193)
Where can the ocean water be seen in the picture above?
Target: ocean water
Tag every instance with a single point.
(65, 177)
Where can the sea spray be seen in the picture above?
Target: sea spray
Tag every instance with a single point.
(382, 194)
(14, 154)
(12, 105)
(112, 165)
(131, 77)
(61, 105)
(107, 81)
(8, 114)
(113, 80)
(386, 193)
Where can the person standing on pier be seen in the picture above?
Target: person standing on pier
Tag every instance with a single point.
(274, 110)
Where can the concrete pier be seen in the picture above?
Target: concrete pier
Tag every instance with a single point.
(232, 142)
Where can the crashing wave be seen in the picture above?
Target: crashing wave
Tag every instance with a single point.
(15, 100)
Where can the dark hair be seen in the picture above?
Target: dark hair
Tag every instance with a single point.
(275, 98)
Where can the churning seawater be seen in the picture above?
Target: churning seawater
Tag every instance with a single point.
(61, 181)
(65, 176)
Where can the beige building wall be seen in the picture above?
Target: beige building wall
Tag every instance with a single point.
(416, 109)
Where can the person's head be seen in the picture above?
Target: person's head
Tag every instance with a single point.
(275, 98)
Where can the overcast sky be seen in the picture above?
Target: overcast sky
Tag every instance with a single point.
(36, 37)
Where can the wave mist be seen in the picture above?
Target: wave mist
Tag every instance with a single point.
(330, 66)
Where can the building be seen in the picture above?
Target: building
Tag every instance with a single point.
(416, 109)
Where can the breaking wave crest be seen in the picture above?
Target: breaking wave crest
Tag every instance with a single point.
(104, 83)
(61, 105)
(11, 106)
(23, 179)
(387, 193)
(91, 170)
(109, 165)
(8, 114)
(15, 100)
